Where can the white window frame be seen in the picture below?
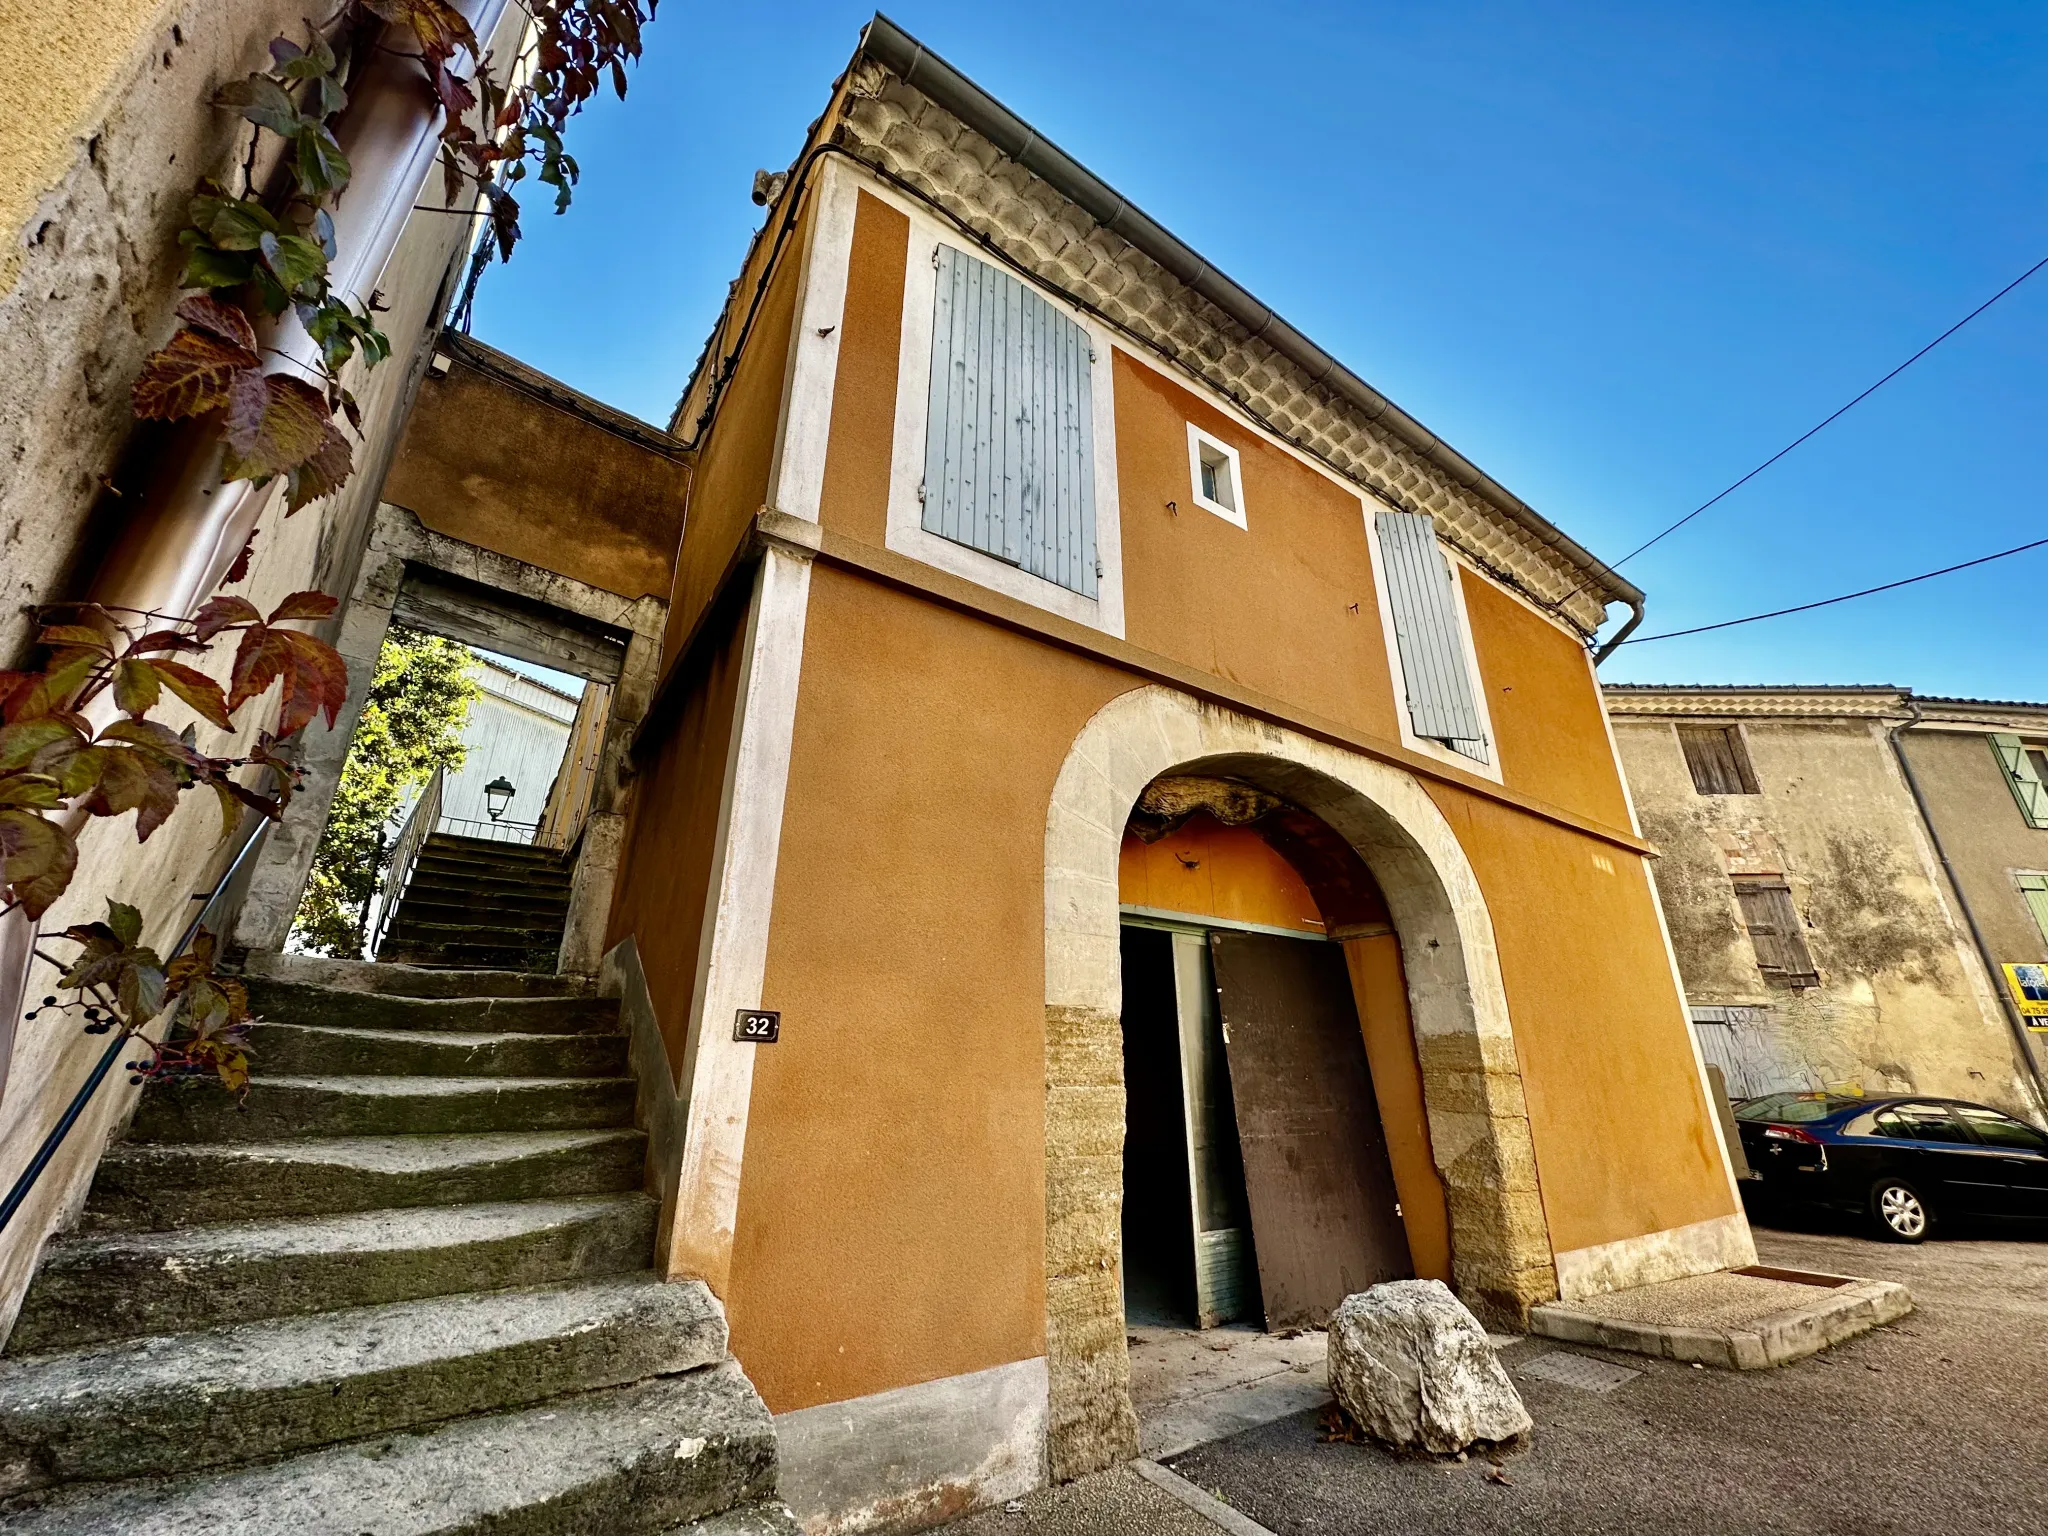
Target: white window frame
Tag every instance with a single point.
(906, 533)
(1369, 508)
(1197, 441)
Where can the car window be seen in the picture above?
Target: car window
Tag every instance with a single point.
(2002, 1130)
(1922, 1122)
(1793, 1108)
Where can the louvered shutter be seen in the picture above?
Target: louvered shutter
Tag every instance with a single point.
(1010, 441)
(1426, 630)
(1775, 931)
(2022, 779)
(2035, 889)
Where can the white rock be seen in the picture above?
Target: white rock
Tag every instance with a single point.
(1413, 1368)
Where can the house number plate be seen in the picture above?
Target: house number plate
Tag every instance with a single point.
(760, 1025)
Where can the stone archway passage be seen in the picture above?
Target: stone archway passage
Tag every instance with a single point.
(1472, 1085)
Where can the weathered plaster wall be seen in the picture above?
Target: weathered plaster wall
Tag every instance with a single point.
(1985, 837)
(1898, 1007)
(105, 132)
(506, 459)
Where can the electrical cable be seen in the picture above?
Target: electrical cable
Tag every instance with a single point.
(1828, 602)
(1615, 567)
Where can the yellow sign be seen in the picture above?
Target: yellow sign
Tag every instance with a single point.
(2029, 985)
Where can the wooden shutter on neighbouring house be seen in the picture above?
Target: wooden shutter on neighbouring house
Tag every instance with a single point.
(2022, 779)
(1427, 633)
(1717, 759)
(2034, 889)
(1776, 932)
(1010, 441)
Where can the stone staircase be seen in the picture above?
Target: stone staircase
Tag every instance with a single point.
(474, 902)
(405, 1290)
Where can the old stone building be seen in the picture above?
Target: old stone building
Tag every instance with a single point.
(1846, 873)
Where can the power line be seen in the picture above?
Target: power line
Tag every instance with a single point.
(1828, 602)
(1811, 431)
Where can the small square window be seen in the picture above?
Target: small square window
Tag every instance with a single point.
(1213, 469)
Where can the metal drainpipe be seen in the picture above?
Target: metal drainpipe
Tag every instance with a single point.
(172, 551)
(1621, 634)
(2012, 1014)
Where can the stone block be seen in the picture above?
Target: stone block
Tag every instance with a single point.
(1415, 1370)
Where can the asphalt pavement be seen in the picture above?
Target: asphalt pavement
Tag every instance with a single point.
(1936, 1425)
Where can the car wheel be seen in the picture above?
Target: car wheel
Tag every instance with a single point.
(1900, 1212)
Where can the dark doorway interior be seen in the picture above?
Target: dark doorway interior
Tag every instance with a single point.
(1159, 1255)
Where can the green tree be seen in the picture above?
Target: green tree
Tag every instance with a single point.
(411, 724)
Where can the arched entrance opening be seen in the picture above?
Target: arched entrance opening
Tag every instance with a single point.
(1469, 1088)
(1275, 1154)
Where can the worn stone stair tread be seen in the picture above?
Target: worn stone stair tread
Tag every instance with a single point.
(212, 1275)
(293, 1003)
(623, 1460)
(354, 1050)
(266, 968)
(269, 1388)
(770, 1517)
(166, 1185)
(374, 1105)
(502, 934)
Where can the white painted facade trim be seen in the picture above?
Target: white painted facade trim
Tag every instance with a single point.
(796, 479)
(1197, 441)
(1723, 1242)
(906, 533)
(899, 1460)
(1370, 506)
(718, 1071)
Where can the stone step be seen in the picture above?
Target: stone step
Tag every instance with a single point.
(681, 1452)
(491, 847)
(536, 874)
(519, 931)
(294, 1003)
(315, 1049)
(177, 1403)
(462, 956)
(770, 1517)
(278, 1107)
(461, 901)
(205, 1277)
(268, 966)
(144, 1186)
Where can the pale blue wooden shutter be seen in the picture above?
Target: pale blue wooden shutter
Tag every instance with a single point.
(1010, 441)
(1426, 629)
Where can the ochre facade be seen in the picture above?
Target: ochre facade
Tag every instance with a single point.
(890, 1227)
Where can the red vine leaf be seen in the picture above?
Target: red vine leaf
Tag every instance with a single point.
(316, 683)
(37, 858)
(304, 605)
(217, 319)
(198, 690)
(262, 656)
(439, 27)
(239, 571)
(190, 376)
(325, 471)
(49, 693)
(131, 779)
(220, 612)
(283, 435)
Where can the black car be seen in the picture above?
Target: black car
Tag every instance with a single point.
(1905, 1162)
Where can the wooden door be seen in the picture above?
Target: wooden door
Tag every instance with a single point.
(1324, 1218)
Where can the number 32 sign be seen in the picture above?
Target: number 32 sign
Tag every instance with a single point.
(761, 1026)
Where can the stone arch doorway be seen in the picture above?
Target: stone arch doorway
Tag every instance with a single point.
(1472, 1088)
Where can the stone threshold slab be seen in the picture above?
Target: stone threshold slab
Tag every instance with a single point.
(1738, 1320)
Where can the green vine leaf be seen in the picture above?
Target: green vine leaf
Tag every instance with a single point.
(277, 431)
(263, 102)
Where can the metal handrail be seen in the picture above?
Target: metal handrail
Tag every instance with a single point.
(420, 824)
(26, 1181)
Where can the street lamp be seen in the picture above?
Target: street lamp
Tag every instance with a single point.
(496, 794)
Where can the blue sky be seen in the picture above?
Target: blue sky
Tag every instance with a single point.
(1617, 255)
